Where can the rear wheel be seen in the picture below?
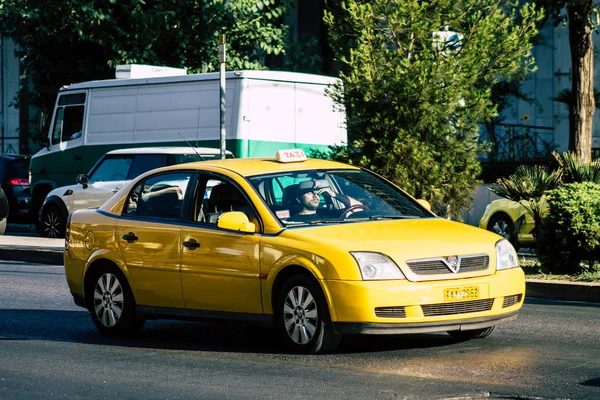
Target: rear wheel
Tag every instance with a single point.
(472, 334)
(112, 305)
(53, 222)
(302, 317)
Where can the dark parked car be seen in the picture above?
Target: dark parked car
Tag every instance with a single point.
(14, 179)
(3, 211)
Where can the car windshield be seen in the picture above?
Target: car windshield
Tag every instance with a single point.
(334, 196)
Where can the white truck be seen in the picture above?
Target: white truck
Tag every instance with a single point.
(265, 111)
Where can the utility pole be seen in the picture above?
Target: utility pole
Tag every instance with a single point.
(222, 93)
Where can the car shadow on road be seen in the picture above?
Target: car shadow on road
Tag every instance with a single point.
(213, 336)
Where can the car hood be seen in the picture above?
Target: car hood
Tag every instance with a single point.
(401, 239)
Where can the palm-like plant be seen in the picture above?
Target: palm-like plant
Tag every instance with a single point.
(577, 171)
(527, 186)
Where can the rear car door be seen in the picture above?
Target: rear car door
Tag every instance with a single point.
(149, 238)
(220, 268)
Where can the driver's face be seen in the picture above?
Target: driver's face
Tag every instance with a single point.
(310, 200)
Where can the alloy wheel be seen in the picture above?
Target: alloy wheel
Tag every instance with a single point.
(108, 299)
(300, 315)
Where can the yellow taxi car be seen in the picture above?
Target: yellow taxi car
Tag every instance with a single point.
(319, 249)
(510, 220)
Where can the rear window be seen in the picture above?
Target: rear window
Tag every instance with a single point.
(19, 168)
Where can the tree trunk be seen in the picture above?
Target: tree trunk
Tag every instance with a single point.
(582, 79)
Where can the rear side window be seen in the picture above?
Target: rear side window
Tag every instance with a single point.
(158, 196)
(145, 162)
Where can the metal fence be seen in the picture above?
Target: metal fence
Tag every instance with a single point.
(514, 142)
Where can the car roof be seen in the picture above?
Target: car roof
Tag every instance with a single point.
(13, 156)
(168, 150)
(258, 166)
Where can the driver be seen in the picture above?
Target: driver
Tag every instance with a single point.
(308, 199)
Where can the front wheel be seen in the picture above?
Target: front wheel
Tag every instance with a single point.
(472, 334)
(53, 222)
(302, 317)
(112, 304)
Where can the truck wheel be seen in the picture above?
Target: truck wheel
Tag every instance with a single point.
(302, 317)
(53, 222)
(3, 226)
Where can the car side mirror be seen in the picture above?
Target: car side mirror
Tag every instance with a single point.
(84, 180)
(425, 204)
(236, 221)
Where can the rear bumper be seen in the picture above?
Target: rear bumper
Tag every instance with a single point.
(349, 328)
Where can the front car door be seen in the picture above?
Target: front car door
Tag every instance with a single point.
(220, 268)
(149, 238)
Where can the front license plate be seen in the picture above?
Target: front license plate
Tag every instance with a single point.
(461, 293)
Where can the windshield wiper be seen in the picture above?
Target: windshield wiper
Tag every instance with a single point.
(379, 217)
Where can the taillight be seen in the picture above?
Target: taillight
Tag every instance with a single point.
(68, 232)
(18, 182)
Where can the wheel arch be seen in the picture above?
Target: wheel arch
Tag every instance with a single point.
(55, 201)
(292, 270)
(94, 267)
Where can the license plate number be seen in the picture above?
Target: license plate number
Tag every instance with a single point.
(461, 293)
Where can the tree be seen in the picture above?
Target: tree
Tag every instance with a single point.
(581, 102)
(415, 94)
(69, 41)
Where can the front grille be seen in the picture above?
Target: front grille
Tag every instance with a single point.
(511, 300)
(438, 266)
(390, 312)
(463, 307)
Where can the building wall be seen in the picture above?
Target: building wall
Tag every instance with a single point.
(9, 88)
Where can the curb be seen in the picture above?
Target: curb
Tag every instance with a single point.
(32, 255)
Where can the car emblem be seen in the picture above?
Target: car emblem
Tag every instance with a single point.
(452, 263)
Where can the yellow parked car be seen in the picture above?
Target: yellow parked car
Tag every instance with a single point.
(510, 220)
(316, 248)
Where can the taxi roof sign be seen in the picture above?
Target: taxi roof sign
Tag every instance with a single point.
(291, 155)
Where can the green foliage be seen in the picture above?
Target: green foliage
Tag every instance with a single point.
(77, 40)
(575, 170)
(570, 233)
(415, 108)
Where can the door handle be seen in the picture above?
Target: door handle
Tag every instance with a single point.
(77, 157)
(130, 237)
(115, 190)
(191, 244)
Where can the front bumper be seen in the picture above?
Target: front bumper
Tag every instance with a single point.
(400, 306)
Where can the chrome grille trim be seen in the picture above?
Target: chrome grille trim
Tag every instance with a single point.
(511, 300)
(390, 312)
(463, 307)
(439, 265)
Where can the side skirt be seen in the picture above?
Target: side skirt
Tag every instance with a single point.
(195, 315)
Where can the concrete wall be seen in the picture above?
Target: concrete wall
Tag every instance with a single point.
(9, 88)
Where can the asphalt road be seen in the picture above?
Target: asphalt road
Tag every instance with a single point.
(49, 348)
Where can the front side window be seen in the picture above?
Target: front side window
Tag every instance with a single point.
(68, 122)
(344, 195)
(158, 196)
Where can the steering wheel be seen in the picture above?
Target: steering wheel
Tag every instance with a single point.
(351, 210)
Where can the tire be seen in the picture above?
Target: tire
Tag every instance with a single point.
(505, 227)
(53, 222)
(302, 317)
(111, 303)
(3, 225)
(472, 334)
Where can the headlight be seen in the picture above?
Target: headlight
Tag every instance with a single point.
(376, 266)
(506, 256)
